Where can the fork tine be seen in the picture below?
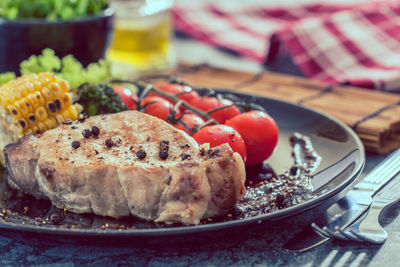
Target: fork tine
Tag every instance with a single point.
(336, 235)
(348, 234)
(319, 231)
(364, 237)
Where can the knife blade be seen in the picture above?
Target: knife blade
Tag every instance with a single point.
(350, 207)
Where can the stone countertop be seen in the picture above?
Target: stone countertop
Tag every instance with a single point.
(254, 245)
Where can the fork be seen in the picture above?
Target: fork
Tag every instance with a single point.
(368, 228)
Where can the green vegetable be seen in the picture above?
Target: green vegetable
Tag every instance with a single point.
(67, 68)
(50, 9)
(7, 76)
(99, 99)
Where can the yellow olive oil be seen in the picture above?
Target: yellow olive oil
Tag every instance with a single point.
(144, 43)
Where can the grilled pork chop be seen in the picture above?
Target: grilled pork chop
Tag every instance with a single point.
(137, 164)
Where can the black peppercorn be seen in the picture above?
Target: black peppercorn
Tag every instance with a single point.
(293, 170)
(76, 144)
(163, 154)
(164, 145)
(166, 142)
(95, 131)
(185, 156)
(109, 143)
(280, 200)
(141, 154)
(86, 133)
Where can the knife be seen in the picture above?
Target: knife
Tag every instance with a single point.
(349, 208)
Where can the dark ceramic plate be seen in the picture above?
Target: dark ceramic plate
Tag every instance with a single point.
(342, 161)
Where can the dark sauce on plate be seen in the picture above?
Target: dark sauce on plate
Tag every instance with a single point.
(265, 192)
(273, 192)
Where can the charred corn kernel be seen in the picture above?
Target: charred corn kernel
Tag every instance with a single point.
(22, 124)
(67, 100)
(23, 109)
(34, 103)
(14, 111)
(58, 104)
(28, 105)
(39, 97)
(32, 119)
(50, 122)
(41, 113)
(51, 107)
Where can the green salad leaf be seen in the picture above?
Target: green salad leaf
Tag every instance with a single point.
(7, 76)
(68, 68)
(50, 9)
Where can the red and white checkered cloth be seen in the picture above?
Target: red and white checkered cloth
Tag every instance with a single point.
(357, 44)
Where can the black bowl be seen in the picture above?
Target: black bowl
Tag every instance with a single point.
(86, 38)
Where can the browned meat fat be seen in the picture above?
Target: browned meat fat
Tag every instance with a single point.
(133, 164)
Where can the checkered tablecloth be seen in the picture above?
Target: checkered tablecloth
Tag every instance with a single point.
(350, 42)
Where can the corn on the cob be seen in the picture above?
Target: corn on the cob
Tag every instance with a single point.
(33, 103)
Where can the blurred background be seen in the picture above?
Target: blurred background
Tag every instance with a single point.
(339, 42)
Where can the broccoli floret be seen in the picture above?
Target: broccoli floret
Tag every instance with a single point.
(99, 99)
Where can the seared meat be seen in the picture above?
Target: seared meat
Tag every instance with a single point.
(136, 165)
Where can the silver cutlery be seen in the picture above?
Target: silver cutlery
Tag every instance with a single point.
(349, 208)
(369, 229)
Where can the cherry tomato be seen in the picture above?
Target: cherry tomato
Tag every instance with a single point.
(260, 134)
(208, 103)
(220, 134)
(161, 108)
(185, 92)
(127, 96)
(191, 120)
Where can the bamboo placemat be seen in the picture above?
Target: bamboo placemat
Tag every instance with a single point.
(374, 115)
